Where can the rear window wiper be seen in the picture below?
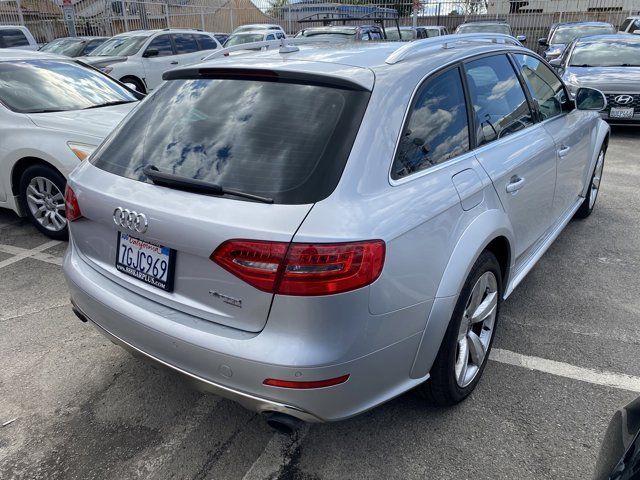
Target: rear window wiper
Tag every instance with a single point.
(110, 104)
(196, 186)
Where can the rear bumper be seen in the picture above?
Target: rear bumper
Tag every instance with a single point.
(215, 358)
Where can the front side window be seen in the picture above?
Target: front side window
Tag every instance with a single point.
(13, 38)
(437, 128)
(162, 45)
(543, 85)
(185, 43)
(38, 86)
(286, 141)
(498, 100)
(271, 37)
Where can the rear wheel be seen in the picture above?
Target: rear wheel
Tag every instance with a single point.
(465, 348)
(594, 188)
(42, 198)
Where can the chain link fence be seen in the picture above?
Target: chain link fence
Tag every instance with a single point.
(49, 19)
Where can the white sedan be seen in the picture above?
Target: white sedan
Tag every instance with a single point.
(54, 112)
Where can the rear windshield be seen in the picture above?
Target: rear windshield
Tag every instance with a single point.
(286, 141)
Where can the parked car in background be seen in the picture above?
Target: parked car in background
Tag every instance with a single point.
(630, 25)
(16, 36)
(610, 63)
(221, 37)
(562, 34)
(73, 46)
(251, 36)
(414, 33)
(489, 27)
(54, 112)
(619, 457)
(140, 57)
(436, 30)
(258, 26)
(346, 32)
(255, 229)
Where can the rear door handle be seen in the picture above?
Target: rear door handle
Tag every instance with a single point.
(563, 150)
(175, 62)
(515, 184)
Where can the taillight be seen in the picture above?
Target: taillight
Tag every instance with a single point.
(302, 269)
(71, 203)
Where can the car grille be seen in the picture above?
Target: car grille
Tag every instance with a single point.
(612, 102)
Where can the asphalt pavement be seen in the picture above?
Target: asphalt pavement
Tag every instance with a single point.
(567, 355)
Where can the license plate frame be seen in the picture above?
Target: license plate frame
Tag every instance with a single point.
(618, 112)
(148, 278)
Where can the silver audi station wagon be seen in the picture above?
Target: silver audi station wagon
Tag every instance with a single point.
(314, 230)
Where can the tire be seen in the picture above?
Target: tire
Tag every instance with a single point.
(42, 199)
(594, 187)
(448, 383)
(138, 83)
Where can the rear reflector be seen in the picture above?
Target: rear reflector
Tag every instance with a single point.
(302, 385)
(302, 269)
(72, 209)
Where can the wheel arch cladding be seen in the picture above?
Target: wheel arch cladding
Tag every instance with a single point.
(490, 231)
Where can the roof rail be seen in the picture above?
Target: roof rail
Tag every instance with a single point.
(286, 45)
(181, 28)
(448, 41)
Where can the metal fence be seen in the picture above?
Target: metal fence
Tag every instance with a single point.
(49, 19)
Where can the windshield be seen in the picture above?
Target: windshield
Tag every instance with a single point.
(286, 141)
(33, 86)
(564, 35)
(493, 28)
(606, 54)
(405, 34)
(248, 28)
(64, 46)
(120, 46)
(239, 39)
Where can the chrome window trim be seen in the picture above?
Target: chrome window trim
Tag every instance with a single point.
(472, 151)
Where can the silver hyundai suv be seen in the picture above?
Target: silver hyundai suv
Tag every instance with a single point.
(256, 227)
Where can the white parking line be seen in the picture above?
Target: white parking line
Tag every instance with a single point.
(277, 454)
(607, 379)
(36, 253)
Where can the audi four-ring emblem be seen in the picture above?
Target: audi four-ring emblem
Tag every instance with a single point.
(623, 99)
(134, 221)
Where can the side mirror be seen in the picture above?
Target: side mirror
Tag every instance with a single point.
(151, 52)
(556, 63)
(521, 38)
(590, 99)
(543, 42)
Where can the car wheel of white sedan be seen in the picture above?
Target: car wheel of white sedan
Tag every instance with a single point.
(42, 199)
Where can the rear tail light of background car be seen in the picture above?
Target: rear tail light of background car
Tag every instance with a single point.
(302, 269)
(72, 211)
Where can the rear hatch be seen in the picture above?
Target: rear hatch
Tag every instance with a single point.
(283, 140)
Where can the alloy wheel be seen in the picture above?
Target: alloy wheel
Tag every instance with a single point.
(476, 328)
(46, 203)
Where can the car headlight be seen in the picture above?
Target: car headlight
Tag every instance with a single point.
(81, 150)
(106, 69)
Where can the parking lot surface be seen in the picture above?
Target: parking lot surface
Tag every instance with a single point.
(77, 406)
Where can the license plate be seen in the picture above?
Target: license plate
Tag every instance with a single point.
(148, 262)
(621, 113)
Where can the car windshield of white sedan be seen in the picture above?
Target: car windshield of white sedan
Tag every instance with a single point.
(120, 46)
(606, 54)
(64, 46)
(405, 34)
(241, 38)
(565, 35)
(40, 86)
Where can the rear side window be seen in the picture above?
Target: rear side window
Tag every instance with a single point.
(543, 85)
(13, 38)
(205, 42)
(286, 141)
(437, 128)
(499, 102)
(185, 43)
(162, 44)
